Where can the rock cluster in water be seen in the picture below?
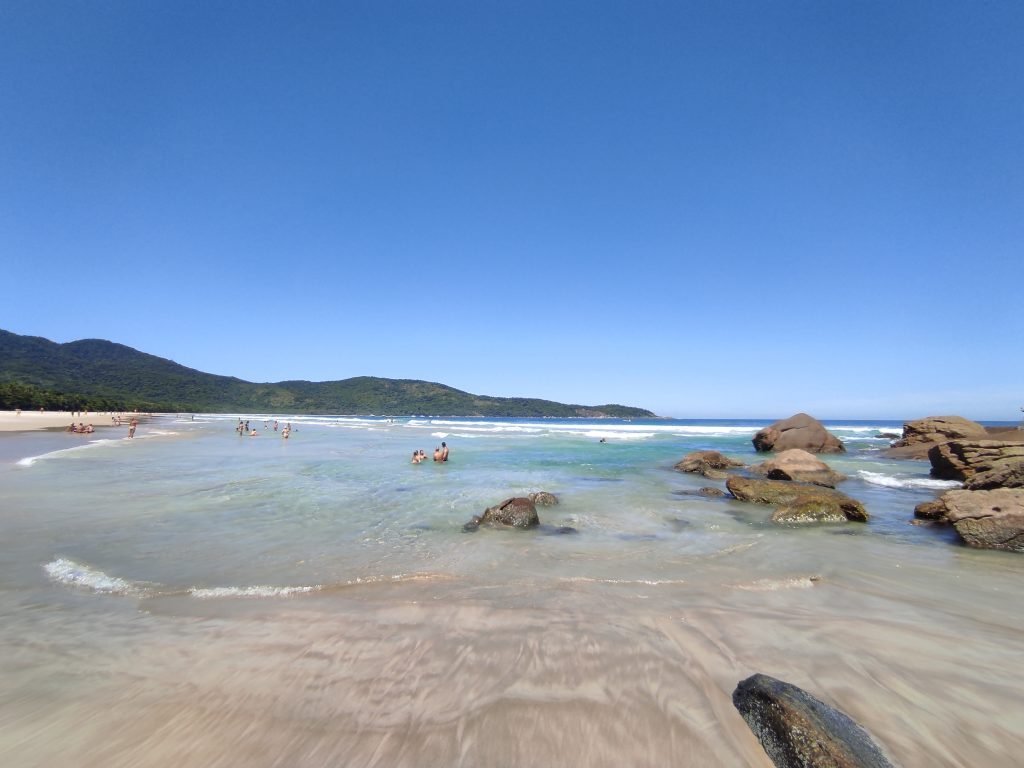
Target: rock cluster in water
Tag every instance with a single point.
(798, 502)
(799, 485)
(800, 466)
(988, 512)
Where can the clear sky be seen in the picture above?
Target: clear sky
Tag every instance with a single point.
(708, 209)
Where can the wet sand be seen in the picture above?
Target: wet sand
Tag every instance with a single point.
(457, 674)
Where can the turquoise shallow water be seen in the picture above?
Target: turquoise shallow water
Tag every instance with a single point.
(196, 568)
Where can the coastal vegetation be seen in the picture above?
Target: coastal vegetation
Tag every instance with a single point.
(101, 375)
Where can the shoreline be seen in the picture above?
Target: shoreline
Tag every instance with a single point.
(35, 421)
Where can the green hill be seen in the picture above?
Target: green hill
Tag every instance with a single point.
(102, 375)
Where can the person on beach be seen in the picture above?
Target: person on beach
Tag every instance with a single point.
(285, 432)
(444, 452)
(437, 454)
(131, 427)
(415, 457)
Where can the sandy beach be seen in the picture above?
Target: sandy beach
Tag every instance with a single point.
(30, 421)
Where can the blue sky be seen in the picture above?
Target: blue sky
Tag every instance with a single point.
(702, 208)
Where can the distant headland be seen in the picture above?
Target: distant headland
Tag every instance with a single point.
(100, 375)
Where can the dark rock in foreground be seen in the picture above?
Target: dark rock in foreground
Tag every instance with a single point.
(799, 431)
(798, 502)
(706, 462)
(518, 512)
(799, 731)
(800, 466)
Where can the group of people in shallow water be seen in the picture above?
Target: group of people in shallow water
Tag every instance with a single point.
(244, 429)
(82, 429)
(440, 454)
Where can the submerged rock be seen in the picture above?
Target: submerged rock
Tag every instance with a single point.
(543, 499)
(800, 466)
(799, 731)
(710, 492)
(706, 462)
(798, 502)
(934, 510)
(517, 512)
(798, 431)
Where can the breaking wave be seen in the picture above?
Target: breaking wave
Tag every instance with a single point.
(896, 481)
(69, 573)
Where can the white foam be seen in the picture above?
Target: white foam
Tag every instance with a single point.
(28, 461)
(645, 582)
(610, 435)
(775, 585)
(263, 591)
(257, 591)
(69, 572)
(681, 430)
(896, 481)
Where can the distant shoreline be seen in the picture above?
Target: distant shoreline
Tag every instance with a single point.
(34, 421)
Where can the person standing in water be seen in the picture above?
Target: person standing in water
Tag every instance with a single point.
(444, 452)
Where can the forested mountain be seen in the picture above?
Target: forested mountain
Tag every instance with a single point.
(102, 375)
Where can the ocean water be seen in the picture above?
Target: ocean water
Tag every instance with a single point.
(196, 598)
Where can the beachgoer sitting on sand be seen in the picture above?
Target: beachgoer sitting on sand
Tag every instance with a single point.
(71, 427)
